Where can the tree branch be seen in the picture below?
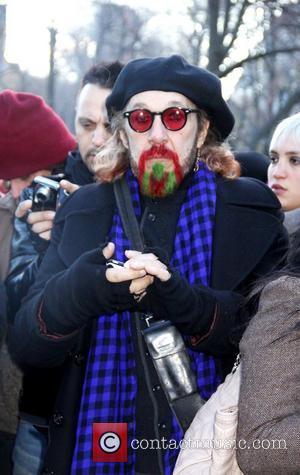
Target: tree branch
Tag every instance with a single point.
(257, 56)
(238, 24)
(215, 49)
(226, 18)
(213, 8)
(265, 131)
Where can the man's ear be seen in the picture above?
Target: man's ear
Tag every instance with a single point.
(202, 134)
(124, 139)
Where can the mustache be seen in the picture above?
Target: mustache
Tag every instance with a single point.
(159, 151)
(159, 182)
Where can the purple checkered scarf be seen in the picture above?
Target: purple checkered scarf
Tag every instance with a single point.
(109, 389)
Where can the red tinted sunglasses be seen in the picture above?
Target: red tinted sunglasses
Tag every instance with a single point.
(173, 118)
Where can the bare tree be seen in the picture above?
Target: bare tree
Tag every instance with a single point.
(259, 39)
(269, 88)
(52, 72)
(216, 29)
(118, 30)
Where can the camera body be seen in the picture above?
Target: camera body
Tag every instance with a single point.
(45, 193)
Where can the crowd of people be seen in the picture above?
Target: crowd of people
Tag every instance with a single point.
(159, 233)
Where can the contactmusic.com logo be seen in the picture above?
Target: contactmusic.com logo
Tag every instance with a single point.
(110, 442)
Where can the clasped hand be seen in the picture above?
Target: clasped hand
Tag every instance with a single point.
(139, 268)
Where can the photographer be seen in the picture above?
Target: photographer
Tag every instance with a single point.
(27, 149)
(42, 153)
(31, 239)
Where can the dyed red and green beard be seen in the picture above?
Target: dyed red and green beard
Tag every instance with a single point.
(159, 172)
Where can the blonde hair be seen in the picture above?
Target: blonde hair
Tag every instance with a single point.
(218, 157)
(289, 127)
(112, 161)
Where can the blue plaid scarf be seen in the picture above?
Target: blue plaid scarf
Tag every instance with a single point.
(110, 385)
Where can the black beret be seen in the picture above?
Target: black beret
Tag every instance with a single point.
(173, 74)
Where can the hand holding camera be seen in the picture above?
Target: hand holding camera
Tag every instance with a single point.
(41, 222)
(48, 192)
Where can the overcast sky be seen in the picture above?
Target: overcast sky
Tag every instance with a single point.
(27, 40)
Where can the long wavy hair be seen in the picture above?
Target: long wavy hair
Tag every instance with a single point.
(112, 161)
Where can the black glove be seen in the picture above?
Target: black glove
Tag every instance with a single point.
(81, 292)
(194, 309)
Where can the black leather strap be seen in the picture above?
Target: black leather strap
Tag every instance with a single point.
(129, 221)
(185, 409)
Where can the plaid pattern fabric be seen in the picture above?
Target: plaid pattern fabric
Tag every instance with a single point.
(192, 257)
(109, 389)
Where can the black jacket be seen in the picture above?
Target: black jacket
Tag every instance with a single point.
(249, 241)
(28, 249)
(39, 386)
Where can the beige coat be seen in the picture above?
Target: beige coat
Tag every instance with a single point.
(10, 375)
(7, 210)
(269, 406)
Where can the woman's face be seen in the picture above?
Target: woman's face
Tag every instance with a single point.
(284, 171)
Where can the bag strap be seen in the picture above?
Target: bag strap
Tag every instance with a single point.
(129, 221)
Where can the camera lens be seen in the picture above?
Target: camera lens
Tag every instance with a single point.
(43, 194)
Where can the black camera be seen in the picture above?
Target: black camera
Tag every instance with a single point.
(45, 194)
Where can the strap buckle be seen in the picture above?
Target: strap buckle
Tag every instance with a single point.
(148, 317)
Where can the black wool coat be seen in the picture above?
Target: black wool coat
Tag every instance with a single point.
(249, 241)
(39, 387)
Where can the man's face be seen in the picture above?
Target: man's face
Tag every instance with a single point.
(91, 124)
(160, 158)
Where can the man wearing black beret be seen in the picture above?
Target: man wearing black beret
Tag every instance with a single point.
(207, 235)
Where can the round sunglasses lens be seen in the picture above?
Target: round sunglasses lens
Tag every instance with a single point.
(140, 120)
(174, 118)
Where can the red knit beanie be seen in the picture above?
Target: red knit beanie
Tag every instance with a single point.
(32, 136)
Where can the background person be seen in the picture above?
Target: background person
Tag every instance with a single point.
(284, 169)
(91, 133)
(269, 418)
(27, 149)
(253, 165)
(168, 118)
(19, 165)
(29, 245)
